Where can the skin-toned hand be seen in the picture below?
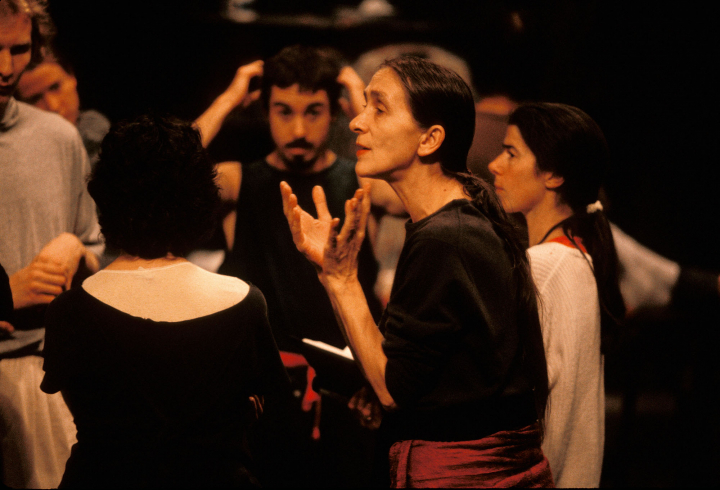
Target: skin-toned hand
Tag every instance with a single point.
(355, 87)
(210, 121)
(366, 407)
(333, 254)
(258, 403)
(309, 234)
(51, 271)
(241, 83)
(335, 258)
(5, 328)
(342, 249)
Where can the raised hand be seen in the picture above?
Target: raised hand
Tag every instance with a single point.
(309, 234)
(210, 121)
(333, 253)
(355, 87)
(341, 251)
(241, 83)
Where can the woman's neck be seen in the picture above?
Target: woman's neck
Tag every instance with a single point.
(131, 262)
(542, 218)
(426, 189)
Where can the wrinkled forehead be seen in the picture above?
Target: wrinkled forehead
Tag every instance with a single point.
(386, 80)
(387, 87)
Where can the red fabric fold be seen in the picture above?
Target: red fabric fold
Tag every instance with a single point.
(291, 360)
(504, 459)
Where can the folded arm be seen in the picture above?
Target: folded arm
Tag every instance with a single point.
(51, 271)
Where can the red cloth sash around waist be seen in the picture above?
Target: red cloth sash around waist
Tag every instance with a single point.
(504, 459)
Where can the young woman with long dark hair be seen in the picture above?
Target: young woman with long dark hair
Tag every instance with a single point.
(457, 360)
(550, 171)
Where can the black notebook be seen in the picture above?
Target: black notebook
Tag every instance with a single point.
(336, 370)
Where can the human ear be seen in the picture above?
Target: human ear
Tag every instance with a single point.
(431, 140)
(553, 181)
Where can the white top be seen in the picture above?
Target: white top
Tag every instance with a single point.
(646, 279)
(171, 293)
(570, 321)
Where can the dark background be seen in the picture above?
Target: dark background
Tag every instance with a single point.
(644, 72)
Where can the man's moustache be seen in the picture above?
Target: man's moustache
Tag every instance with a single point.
(304, 144)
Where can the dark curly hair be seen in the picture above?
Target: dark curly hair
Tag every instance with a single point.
(43, 29)
(312, 68)
(154, 187)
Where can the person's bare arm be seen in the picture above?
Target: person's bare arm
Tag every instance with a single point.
(51, 271)
(229, 180)
(229, 177)
(335, 258)
(210, 121)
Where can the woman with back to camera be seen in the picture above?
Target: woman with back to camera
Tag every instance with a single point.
(457, 360)
(163, 365)
(551, 171)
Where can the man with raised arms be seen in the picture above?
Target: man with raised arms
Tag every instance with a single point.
(300, 93)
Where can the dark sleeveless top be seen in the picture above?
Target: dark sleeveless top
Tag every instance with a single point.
(265, 255)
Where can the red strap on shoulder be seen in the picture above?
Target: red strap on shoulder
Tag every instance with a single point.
(563, 240)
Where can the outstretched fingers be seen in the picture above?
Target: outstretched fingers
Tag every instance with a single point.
(318, 195)
(292, 213)
(334, 231)
(287, 195)
(356, 213)
(365, 205)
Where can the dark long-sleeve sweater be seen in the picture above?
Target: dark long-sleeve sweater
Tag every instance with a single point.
(451, 332)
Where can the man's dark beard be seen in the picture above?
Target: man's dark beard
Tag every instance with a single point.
(298, 163)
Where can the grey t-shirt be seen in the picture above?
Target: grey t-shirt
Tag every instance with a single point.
(43, 167)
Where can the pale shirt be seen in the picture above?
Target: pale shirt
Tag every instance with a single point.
(172, 293)
(43, 167)
(570, 322)
(646, 279)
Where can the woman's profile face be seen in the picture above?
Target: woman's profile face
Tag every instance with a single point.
(518, 183)
(388, 135)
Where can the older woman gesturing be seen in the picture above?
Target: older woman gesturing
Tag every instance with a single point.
(457, 360)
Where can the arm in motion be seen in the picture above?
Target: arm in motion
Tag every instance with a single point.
(334, 255)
